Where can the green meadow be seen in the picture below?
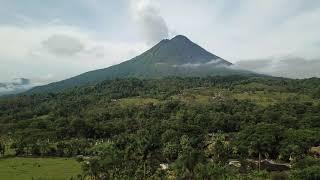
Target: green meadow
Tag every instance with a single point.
(19, 168)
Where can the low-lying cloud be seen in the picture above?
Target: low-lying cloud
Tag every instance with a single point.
(16, 86)
(291, 67)
(213, 63)
(21, 81)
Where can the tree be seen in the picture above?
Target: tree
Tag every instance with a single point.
(61, 145)
(316, 93)
(218, 149)
(297, 142)
(2, 148)
(105, 161)
(186, 164)
(261, 139)
(311, 173)
(171, 151)
(186, 147)
(171, 144)
(79, 127)
(213, 171)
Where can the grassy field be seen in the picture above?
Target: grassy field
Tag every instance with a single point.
(18, 168)
(266, 99)
(205, 95)
(136, 101)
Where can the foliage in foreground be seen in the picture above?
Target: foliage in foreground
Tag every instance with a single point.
(128, 128)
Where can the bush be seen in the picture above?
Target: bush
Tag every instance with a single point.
(213, 171)
(306, 162)
(279, 176)
(259, 175)
(309, 173)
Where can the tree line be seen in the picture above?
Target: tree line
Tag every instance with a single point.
(196, 140)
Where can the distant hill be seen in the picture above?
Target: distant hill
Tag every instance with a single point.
(176, 57)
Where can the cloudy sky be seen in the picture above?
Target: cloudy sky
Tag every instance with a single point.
(46, 41)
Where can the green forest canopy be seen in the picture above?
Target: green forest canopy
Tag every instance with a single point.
(128, 127)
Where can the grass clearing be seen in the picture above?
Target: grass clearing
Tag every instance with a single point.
(269, 98)
(18, 168)
(137, 101)
(200, 95)
(192, 98)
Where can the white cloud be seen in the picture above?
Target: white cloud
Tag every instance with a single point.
(63, 45)
(57, 51)
(16, 86)
(218, 63)
(233, 30)
(291, 67)
(248, 29)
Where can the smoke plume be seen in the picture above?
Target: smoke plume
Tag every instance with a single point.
(152, 25)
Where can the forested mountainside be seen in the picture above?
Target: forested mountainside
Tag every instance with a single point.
(174, 127)
(175, 57)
